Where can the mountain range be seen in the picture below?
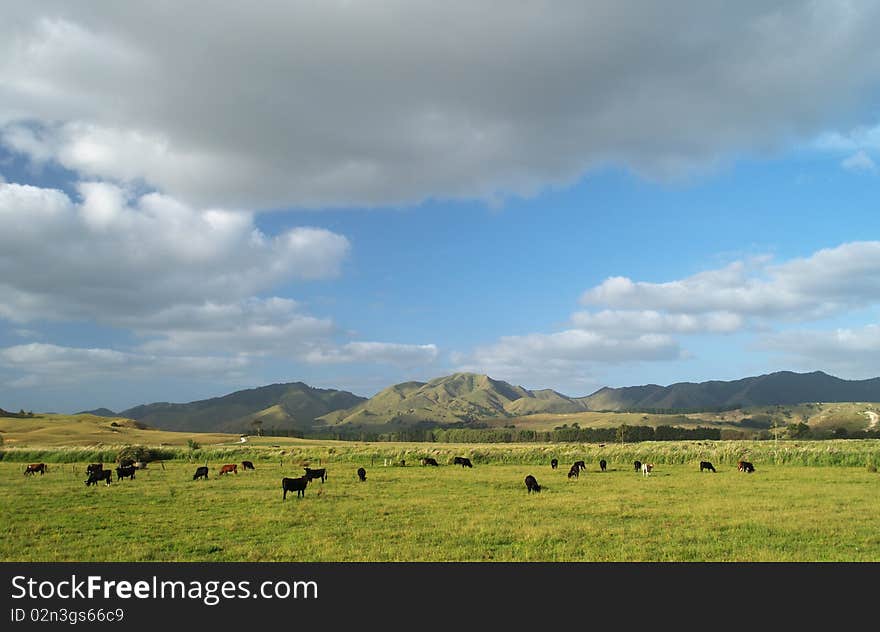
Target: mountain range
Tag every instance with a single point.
(463, 398)
(291, 406)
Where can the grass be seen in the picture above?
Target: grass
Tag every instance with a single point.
(414, 513)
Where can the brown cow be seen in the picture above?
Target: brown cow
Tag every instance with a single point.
(33, 468)
(230, 467)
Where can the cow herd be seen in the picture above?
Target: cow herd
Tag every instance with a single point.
(644, 468)
(96, 472)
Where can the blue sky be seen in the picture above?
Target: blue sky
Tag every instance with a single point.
(341, 198)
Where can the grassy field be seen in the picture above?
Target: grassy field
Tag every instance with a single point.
(414, 513)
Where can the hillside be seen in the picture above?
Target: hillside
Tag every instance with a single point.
(457, 398)
(292, 406)
(50, 430)
(782, 388)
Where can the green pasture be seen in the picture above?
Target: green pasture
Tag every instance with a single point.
(783, 512)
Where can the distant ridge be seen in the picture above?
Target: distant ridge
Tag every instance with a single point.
(100, 412)
(783, 387)
(463, 398)
(292, 406)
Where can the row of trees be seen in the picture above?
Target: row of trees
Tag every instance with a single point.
(624, 433)
(620, 434)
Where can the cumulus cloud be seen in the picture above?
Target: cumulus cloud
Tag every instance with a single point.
(356, 104)
(636, 321)
(250, 327)
(115, 259)
(621, 322)
(564, 356)
(828, 282)
(40, 364)
(849, 351)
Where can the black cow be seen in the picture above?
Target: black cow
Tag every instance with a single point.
(94, 467)
(297, 485)
(247, 465)
(574, 471)
(637, 466)
(362, 474)
(428, 461)
(705, 465)
(125, 472)
(745, 466)
(100, 475)
(310, 474)
(602, 465)
(201, 472)
(554, 463)
(462, 461)
(580, 465)
(532, 484)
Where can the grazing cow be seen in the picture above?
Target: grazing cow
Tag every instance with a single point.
(248, 465)
(462, 461)
(580, 465)
(94, 467)
(705, 465)
(637, 465)
(554, 463)
(99, 475)
(745, 466)
(574, 471)
(201, 472)
(602, 465)
(647, 468)
(310, 473)
(362, 474)
(33, 468)
(230, 467)
(532, 484)
(297, 485)
(125, 472)
(428, 461)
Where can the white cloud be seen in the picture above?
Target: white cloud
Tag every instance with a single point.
(641, 321)
(859, 161)
(361, 104)
(39, 364)
(565, 357)
(828, 282)
(852, 352)
(651, 321)
(252, 327)
(115, 259)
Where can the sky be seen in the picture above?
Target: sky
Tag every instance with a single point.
(352, 194)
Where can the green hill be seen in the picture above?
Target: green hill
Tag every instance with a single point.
(292, 406)
(781, 388)
(457, 398)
